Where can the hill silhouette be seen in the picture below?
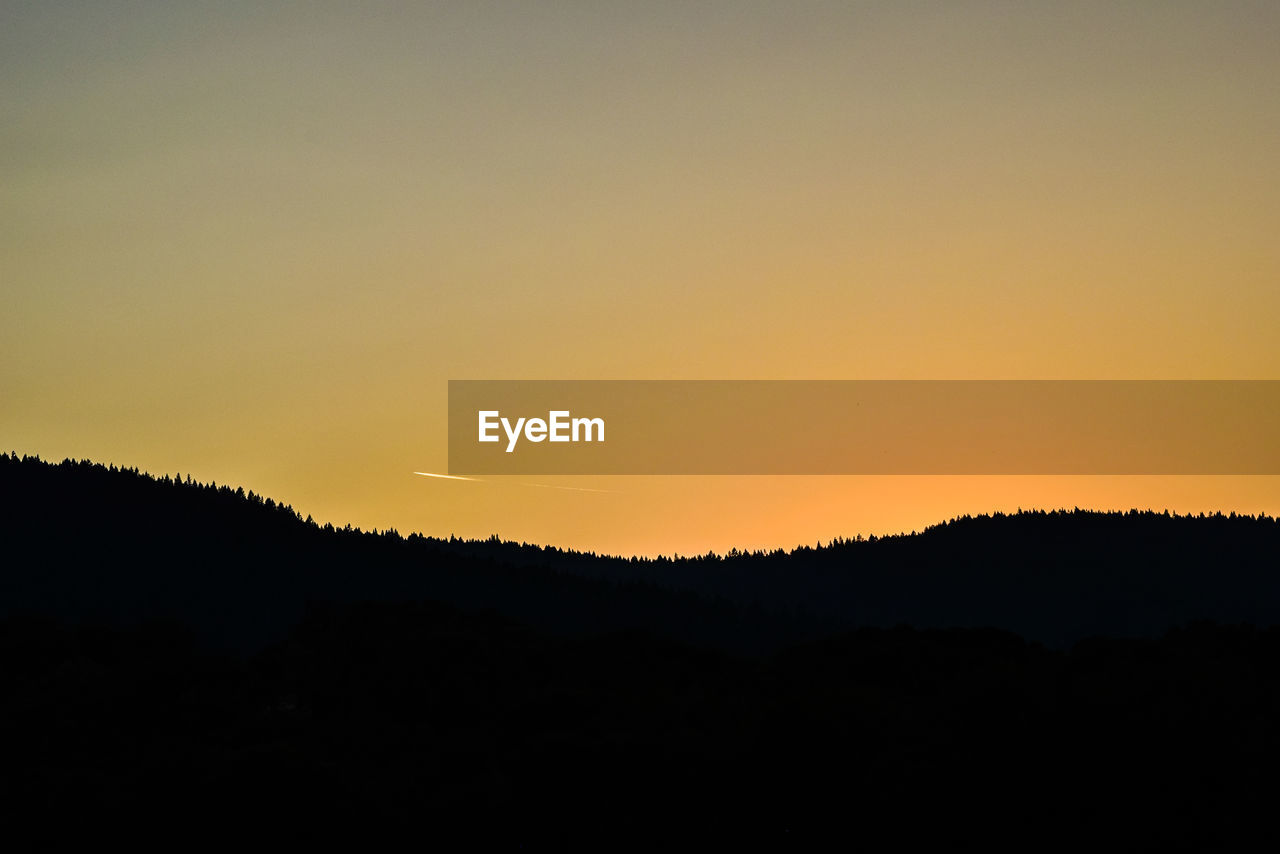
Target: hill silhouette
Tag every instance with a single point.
(187, 662)
(84, 541)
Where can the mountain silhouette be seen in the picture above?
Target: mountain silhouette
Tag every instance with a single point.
(84, 541)
(184, 662)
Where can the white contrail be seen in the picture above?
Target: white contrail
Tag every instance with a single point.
(541, 485)
(574, 488)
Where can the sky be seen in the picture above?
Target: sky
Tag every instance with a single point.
(252, 241)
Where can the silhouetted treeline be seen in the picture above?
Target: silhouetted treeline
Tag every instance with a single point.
(85, 540)
(88, 542)
(190, 662)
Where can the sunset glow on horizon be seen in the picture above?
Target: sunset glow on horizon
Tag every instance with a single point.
(253, 241)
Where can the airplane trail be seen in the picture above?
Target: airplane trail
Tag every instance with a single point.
(540, 485)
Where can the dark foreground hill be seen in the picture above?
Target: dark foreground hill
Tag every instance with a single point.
(360, 686)
(459, 731)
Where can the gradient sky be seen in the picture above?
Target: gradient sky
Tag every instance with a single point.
(252, 241)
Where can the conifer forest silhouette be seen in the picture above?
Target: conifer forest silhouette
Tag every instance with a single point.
(193, 658)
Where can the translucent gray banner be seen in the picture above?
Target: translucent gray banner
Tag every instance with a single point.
(864, 427)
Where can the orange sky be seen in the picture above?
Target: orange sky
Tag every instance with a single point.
(253, 241)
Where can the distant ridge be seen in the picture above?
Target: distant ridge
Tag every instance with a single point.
(86, 541)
